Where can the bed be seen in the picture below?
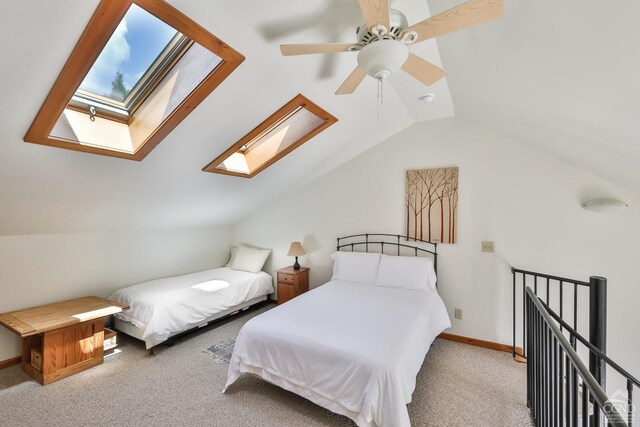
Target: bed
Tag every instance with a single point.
(352, 346)
(163, 308)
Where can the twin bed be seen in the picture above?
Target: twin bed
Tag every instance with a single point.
(353, 345)
(163, 308)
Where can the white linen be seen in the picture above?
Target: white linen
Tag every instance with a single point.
(232, 255)
(165, 306)
(358, 267)
(250, 259)
(406, 272)
(352, 348)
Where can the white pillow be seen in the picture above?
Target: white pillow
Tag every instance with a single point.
(233, 251)
(249, 259)
(406, 272)
(355, 267)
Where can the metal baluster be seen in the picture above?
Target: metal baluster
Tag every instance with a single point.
(534, 362)
(547, 295)
(528, 351)
(568, 389)
(629, 403)
(555, 382)
(585, 404)
(561, 301)
(524, 293)
(550, 393)
(574, 385)
(575, 308)
(538, 367)
(545, 375)
(399, 247)
(513, 348)
(554, 385)
(562, 385)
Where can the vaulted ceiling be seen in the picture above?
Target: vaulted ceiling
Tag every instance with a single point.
(46, 190)
(560, 76)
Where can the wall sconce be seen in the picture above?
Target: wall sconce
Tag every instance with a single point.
(604, 205)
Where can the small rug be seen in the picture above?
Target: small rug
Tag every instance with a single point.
(221, 352)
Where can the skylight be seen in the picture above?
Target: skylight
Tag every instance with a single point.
(138, 70)
(288, 128)
(133, 47)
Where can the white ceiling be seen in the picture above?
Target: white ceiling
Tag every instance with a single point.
(562, 76)
(51, 190)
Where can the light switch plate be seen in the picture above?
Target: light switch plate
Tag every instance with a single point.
(487, 247)
(457, 313)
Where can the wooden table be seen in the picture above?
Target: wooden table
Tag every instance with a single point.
(61, 339)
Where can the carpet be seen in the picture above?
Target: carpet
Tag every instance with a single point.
(458, 385)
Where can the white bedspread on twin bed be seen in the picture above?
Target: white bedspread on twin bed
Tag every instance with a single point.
(175, 304)
(352, 348)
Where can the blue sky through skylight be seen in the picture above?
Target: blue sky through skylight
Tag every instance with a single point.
(135, 44)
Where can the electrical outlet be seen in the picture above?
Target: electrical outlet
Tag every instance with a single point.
(457, 313)
(487, 247)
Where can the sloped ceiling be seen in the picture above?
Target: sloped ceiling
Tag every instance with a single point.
(561, 76)
(51, 190)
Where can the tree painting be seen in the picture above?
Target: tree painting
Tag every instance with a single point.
(431, 203)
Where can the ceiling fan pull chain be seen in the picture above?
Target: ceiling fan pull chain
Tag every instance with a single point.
(378, 103)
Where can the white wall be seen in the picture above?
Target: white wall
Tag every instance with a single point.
(525, 201)
(40, 269)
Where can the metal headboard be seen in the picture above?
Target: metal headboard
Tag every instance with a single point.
(392, 240)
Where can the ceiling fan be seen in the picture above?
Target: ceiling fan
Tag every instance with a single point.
(383, 42)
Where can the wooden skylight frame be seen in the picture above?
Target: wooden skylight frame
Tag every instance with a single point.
(261, 133)
(94, 38)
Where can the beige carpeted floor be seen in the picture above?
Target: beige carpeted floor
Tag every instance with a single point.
(458, 385)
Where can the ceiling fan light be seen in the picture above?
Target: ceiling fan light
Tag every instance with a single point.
(382, 58)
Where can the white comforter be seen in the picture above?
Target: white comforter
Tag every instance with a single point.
(354, 349)
(163, 307)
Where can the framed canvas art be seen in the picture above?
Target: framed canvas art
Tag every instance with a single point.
(431, 203)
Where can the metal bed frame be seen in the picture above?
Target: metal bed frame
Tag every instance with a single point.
(391, 240)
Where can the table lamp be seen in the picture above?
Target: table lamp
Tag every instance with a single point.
(296, 251)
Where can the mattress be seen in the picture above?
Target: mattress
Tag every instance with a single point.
(165, 307)
(352, 348)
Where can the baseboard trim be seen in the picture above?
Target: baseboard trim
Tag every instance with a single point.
(10, 362)
(479, 343)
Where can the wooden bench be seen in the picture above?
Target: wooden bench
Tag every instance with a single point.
(61, 339)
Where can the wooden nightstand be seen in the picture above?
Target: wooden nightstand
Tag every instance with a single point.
(292, 283)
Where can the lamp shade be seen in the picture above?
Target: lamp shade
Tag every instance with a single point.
(296, 249)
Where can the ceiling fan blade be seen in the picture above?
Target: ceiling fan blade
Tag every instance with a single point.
(352, 82)
(423, 71)
(311, 48)
(376, 12)
(466, 15)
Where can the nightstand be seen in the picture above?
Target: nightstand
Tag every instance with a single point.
(292, 283)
